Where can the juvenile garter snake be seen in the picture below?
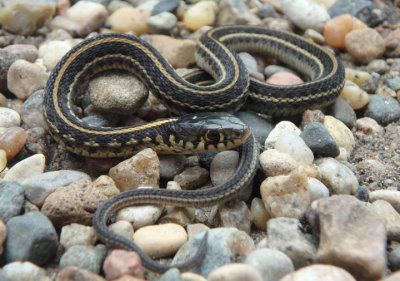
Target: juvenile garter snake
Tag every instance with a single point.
(189, 133)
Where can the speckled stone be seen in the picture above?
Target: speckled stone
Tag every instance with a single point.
(383, 109)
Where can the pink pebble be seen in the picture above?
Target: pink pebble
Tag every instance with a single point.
(284, 78)
(121, 262)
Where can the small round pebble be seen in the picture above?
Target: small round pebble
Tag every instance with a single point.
(340, 133)
(354, 95)
(342, 111)
(192, 177)
(51, 52)
(23, 270)
(123, 228)
(165, 6)
(337, 177)
(365, 45)
(336, 29)
(162, 23)
(259, 213)
(272, 264)
(235, 272)
(378, 65)
(88, 257)
(292, 144)
(317, 189)
(369, 126)
(318, 139)
(9, 118)
(305, 14)
(280, 127)
(160, 240)
(319, 272)
(383, 109)
(121, 262)
(77, 234)
(128, 19)
(32, 110)
(201, 14)
(77, 273)
(12, 140)
(236, 214)
(284, 78)
(275, 163)
(171, 165)
(357, 76)
(223, 166)
(27, 168)
(23, 51)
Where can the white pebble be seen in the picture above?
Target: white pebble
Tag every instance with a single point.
(27, 168)
(292, 144)
(317, 189)
(280, 127)
(52, 52)
(9, 118)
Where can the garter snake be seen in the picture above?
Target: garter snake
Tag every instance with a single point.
(216, 54)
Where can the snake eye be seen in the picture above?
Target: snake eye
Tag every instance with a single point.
(213, 136)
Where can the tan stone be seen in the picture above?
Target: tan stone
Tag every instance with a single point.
(340, 133)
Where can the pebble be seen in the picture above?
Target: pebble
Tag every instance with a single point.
(280, 127)
(117, 93)
(171, 165)
(88, 257)
(23, 51)
(224, 245)
(122, 228)
(106, 185)
(77, 273)
(223, 166)
(250, 62)
(336, 29)
(342, 111)
(162, 23)
(340, 133)
(275, 163)
(235, 12)
(192, 177)
(28, 19)
(235, 272)
(140, 216)
(284, 78)
(285, 235)
(336, 176)
(178, 52)
(3, 235)
(319, 140)
(38, 187)
(165, 6)
(317, 189)
(160, 240)
(74, 203)
(315, 36)
(369, 126)
(30, 237)
(271, 69)
(390, 218)
(259, 126)
(128, 19)
(292, 144)
(200, 14)
(394, 83)
(352, 237)
(379, 66)
(27, 168)
(392, 43)
(391, 196)
(142, 169)
(354, 95)
(383, 109)
(287, 195)
(189, 276)
(272, 264)
(318, 272)
(6, 60)
(23, 270)
(88, 15)
(309, 116)
(9, 118)
(32, 111)
(52, 52)
(172, 274)
(357, 76)
(77, 234)
(3, 159)
(305, 14)
(365, 45)
(362, 194)
(11, 200)
(365, 10)
(259, 213)
(236, 214)
(120, 263)
(266, 10)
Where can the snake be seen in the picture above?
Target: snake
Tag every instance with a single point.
(202, 119)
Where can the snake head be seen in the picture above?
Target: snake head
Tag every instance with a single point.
(205, 132)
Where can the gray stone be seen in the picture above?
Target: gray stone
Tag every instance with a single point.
(97, 121)
(235, 12)
(272, 264)
(259, 126)
(383, 109)
(236, 214)
(171, 165)
(11, 199)
(32, 111)
(37, 188)
(341, 110)
(285, 235)
(362, 193)
(31, 237)
(162, 23)
(165, 6)
(394, 83)
(171, 275)
(23, 271)
(319, 140)
(267, 11)
(88, 257)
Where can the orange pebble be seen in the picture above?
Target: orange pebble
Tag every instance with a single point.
(336, 29)
(284, 78)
